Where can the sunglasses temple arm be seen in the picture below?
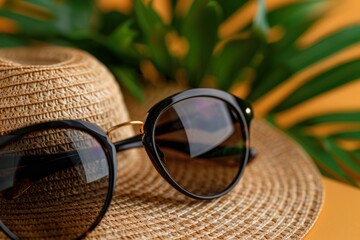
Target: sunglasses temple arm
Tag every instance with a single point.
(252, 155)
(133, 142)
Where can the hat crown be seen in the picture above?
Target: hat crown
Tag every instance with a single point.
(40, 84)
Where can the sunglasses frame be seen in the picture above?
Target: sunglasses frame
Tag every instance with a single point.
(156, 111)
(146, 139)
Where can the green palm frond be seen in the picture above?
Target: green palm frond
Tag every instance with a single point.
(333, 158)
(278, 71)
(123, 41)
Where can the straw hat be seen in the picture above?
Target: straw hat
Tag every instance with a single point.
(280, 194)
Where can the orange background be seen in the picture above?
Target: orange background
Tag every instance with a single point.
(340, 217)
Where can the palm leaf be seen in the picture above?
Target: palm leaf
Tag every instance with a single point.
(72, 18)
(237, 54)
(342, 156)
(12, 41)
(260, 25)
(229, 6)
(304, 58)
(322, 157)
(325, 48)
(331, 79)
(128, 78)
(29, 25)
(353, 135)
(300, 16)
(154, 33)
(200, 29)
(338, 117)
(356, 155)
(120, 41)
(331, 157)
(227, 66)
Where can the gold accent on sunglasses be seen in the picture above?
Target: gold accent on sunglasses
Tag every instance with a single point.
(125, 124)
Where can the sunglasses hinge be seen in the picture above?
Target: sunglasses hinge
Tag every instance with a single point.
(109, 131)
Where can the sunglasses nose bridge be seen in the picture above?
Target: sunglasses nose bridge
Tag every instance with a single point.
(109, 131)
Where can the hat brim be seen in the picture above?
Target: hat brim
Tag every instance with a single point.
(279, 196)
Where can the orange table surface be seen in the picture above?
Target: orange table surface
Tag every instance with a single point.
(340, 216)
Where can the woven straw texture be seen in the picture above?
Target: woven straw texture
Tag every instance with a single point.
(279, 197)
(51, 83)
(54, 83)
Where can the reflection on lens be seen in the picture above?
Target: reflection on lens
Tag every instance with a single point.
(201, 144)
(53, 184)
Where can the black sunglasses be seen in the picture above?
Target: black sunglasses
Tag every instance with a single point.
(198, 140)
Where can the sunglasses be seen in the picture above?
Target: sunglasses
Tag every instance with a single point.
(198, 140)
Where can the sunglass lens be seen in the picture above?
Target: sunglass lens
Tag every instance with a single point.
(202, 144)
(53, 184)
